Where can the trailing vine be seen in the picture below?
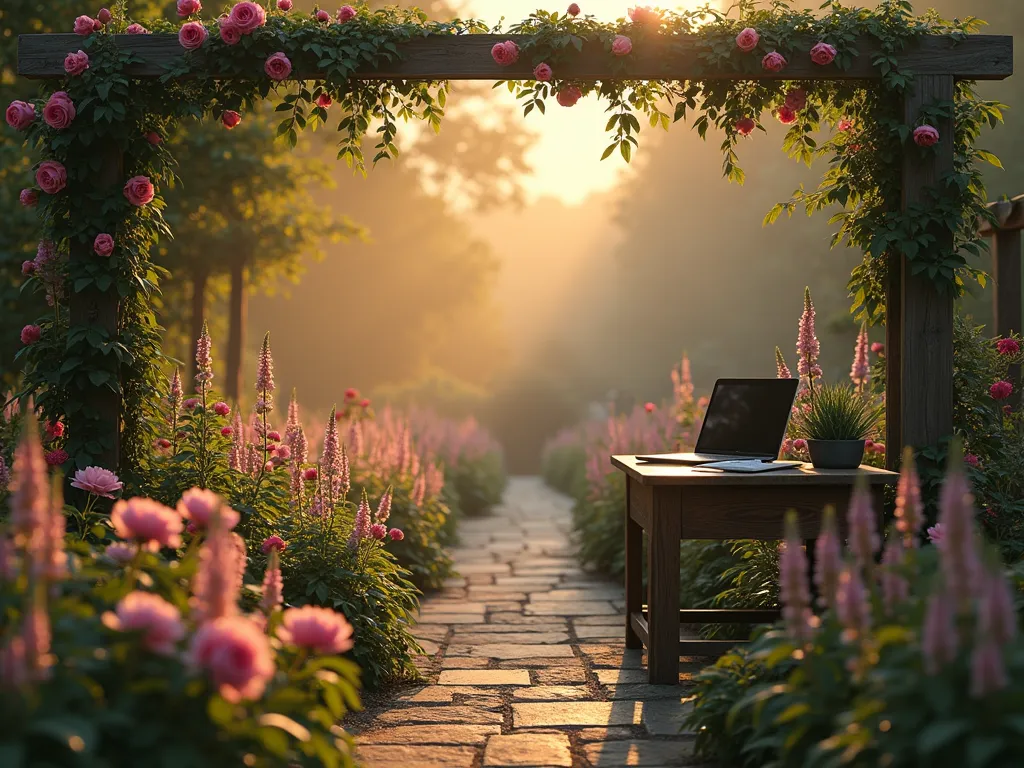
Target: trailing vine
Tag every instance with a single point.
(864, 142)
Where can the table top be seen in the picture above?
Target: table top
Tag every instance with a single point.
(804, 474)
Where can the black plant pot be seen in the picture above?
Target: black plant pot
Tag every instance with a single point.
(836, 454)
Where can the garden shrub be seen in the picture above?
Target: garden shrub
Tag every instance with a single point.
(915, 658)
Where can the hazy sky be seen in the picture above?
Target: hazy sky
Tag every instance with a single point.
(567, 155)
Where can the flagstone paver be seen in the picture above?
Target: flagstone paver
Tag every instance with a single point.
(526, 664)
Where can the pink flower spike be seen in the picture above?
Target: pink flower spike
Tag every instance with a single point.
(384, 508)
(860, 371)
(988, 670)
(909, 509)
(157, 620)
(361, 525)
(852, 607)
(321, 630)
(793, 586)
(959, 556)
(926, 136)
(828, 560)
(236, 655)
(895, 588)
(97, 481)
(807, 345)
(823, 54)
(747, 40)
(273, 586)
(396, 534)
(938, 635)
(863, 527)
(781, 369)
(147, 522)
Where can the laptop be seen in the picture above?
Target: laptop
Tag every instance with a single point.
(745, 421)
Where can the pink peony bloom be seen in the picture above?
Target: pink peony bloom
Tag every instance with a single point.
(622, 45)
(51, 177)
(275, 543)
(346, 13)
(796, 99)
(745, 126)
(59, 111)
(747, 40)
(20, 115)
(284, 5)
(139, 190)
(247, 16)
(120, 553)
(30, 334)
(56, 457)
(324, 100)
(236, 655)
(823, 54)
(936, 534)
(926, 136)
(1001, 390)
(136, 29)
(543, 72)
(148, 522)
(574, 9)
(76, 63)
(396, 534)
(318, 629)
(309, 474)
(84, 25)
(188, 7)
(199, 505)
(29, 198)
(153, 138)
(192, 35)
(190, 403)
(227, 431)
(103, 245)
(278, 66)
(1008, 347)
(230, 34)
(785, 115)
(505, 54)
(773, 62)
(221, 408)
(97, 481)
(378, 531)
(568, 95)
(158, 621)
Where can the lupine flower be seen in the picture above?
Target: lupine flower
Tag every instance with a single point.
(828, 560)
(236, 655)
(175, 392)
(997, 619)
(396, 534)
(273, 544)
(272, 585)
(863, 527)
(37, 636)
(908, 501)
(419, 487)
(938, 635)
(782, 370)
(807, 345)
(852, 606)
(148, 522)
(988, 671)
(237, 453)
(319, 629)
(204, 358)
(959, 553)
(97, 481)
(861, 369)
(384, 508)
(200, 505)
(793, 591)
(13, 664)
(265, 373)
(216, 583)
(895, 588)
(158, 621)
(30, 497)
(361, 525)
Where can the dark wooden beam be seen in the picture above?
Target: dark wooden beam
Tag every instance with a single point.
(1006, 273)
(468, 57)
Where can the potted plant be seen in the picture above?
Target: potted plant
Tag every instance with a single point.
(836, 425)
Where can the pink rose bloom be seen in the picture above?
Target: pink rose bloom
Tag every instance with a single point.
(158, 621)
(878, 348)
(153, 138)
(346, 13)
(56, 457)
(29, 198)
(76, 63)
(773, 62)
(199, 505)
(796, 99)
(139, 190)
(192, 35)
(273, 542)
(227, 431)
(229, 31)
(97, 481)
(323, 16)
(274, 435)
(844, 125)
(236, 655)
(103, 17)
(20, 115)
(505, 54)
(747, 40)
(378, 531)
(574, 10)
(644, 15)
(278, 67)
(745, 126)
(396, 534)
(103, 245)
(120, 553)
(190, 403)
(622, 45)
(55, 429)
(221, 408)
(284, 5)
(309, 474)
(1008, 347)
(28, 267)
(926, 136)
(136, 29)
(59, 111)
(84, 25)
(248, 16)
(147, 521)
(568, 95)
(230, 118)
(319, 629)
(785, 115)
(1001, 390)
(936, 534)
(187, 7)
(800, 444)
(543, 72)
(823, 54)
(30, 334)
(972, 460)
(324, 100)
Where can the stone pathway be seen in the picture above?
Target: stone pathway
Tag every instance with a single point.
(527, 665)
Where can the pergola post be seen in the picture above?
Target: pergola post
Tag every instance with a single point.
(919, 366)
(1006, 273)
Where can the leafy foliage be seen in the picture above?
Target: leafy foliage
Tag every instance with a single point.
(839, 412)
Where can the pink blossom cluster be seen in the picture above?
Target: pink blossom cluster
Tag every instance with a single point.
(243, 19)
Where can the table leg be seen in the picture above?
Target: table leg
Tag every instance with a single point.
(811, 567)
(663, 592)
(634, 573)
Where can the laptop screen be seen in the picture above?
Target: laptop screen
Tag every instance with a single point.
(747, 417)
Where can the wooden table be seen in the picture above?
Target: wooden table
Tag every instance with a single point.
(672, 503)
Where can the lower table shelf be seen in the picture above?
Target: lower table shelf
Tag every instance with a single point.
(689, 646)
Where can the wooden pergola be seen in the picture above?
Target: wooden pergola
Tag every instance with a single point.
(919, 325)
